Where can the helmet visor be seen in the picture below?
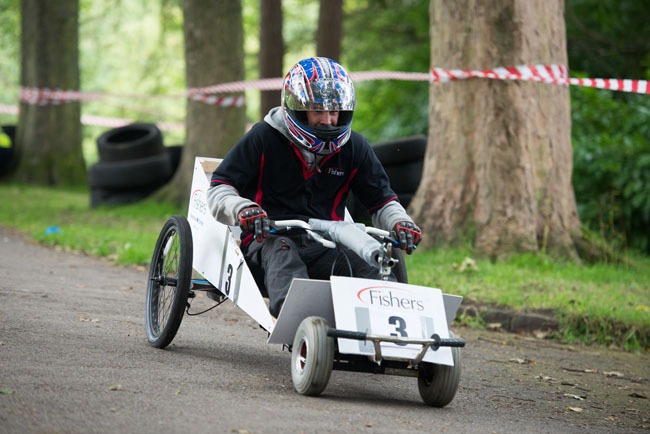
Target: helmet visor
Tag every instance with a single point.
(325, 94)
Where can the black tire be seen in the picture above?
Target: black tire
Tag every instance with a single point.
(174, 153)
(144, 172)
(170, 277)
(438, 384)
(130, 142)
(102, 196)
(312, 357)
(401, 151)
(405, 177)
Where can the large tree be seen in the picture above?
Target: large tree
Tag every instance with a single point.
(48, 141)
(329, 32)
(498, 164)
(271, 53)
(214, 53)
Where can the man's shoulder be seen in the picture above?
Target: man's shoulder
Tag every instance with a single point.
(357, 145)
(357, 137)
(264, 130)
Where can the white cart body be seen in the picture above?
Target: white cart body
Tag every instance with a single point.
(375, 307)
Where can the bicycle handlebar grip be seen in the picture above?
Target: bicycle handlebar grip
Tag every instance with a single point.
(446, 342)
(454, 342)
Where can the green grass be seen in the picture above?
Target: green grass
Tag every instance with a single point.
(606, 304)
(57, 217)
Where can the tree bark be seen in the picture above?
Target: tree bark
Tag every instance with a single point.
(214, 53)
(271, 51)
(48, 143)
(498, 165)
(329, 33)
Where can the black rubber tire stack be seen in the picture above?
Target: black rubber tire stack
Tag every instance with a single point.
(403, 160)
(8, 160)
(133, 163)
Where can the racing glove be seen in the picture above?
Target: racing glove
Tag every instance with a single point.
(255, 221)
(408, 235)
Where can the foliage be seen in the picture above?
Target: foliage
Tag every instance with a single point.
(612, 165)
(140, 52)
(609, 38)
(9, 49)
(602, 303)
(392, 36)
(136, 47)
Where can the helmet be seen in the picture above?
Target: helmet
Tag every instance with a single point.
(318, 84)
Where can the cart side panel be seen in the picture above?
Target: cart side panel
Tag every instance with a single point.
(217, 256)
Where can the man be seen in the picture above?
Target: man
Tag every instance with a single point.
(300, 163)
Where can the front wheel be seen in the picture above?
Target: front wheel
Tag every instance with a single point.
(312, 356)
(170, 277)
(400, 268)
(438, 384)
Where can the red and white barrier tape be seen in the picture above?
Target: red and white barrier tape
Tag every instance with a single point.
(219, 101)
(553, 74)
(276, 83)
(45, 97)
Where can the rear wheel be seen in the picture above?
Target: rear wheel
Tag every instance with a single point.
(312, 356)
(170, 277)
(438, 384)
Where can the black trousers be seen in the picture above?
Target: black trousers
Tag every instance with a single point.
(283, 258)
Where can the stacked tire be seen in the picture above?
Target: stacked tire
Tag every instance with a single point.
(403, 160)
(7, 153)
(133, 163)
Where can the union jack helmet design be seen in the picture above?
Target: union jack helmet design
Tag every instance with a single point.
(318, 84)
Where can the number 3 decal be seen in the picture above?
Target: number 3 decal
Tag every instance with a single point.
(400, 327)
(228, 281)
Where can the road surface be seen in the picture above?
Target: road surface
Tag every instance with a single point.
(74, 359)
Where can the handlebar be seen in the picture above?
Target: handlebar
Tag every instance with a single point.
(355, 236)
(299, 224)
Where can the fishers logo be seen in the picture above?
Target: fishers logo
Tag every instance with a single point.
(389, 297)
(199, 202)
(335, 171)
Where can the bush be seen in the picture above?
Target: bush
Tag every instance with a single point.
(611, 142)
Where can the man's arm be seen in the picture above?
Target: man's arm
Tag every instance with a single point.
(389, 215)
(225, 204)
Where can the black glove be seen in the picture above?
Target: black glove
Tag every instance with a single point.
(254, 220)
(408, 235)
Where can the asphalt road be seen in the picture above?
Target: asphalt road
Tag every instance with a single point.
(74, 359)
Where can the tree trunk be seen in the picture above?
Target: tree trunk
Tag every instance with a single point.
(48, 143)
(271, 50)
(499, 159)
(214, 53)
(329, 33)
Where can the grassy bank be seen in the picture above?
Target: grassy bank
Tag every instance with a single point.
(604, 303)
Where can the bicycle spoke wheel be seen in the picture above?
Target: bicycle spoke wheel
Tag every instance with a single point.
(170, 276)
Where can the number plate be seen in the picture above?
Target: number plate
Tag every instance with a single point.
(389, 309)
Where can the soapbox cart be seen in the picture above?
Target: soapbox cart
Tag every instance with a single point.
(345, 323)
